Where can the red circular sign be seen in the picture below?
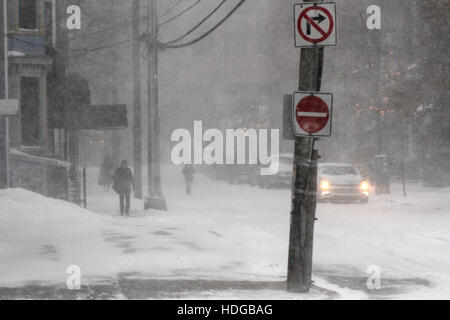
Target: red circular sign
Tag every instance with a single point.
(325, 34)
(312, 114)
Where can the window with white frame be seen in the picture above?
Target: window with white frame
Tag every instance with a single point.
(28, 14)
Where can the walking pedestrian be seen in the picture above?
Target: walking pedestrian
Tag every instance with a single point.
(106, 170)
(123, 184)
(188, 172)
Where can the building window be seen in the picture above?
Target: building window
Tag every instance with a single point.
(28, 14)
(29, 112)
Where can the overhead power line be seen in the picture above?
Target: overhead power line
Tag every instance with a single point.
(86, 49)
(200, 23)
(171, 8)
(181, 13)
(170, 44)
(175, 46)
(107, 45)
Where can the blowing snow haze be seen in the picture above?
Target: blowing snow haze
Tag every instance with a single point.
(201, 99)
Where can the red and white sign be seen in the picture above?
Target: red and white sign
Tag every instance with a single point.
(315, 24)
(312, 114)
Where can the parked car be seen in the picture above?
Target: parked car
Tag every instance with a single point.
(281, 177)
(341, 182)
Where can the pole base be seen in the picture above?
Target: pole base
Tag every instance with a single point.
(296, 288)
(156, 203)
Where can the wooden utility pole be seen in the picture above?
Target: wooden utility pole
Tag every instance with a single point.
(377, 100)
(137, 121)
(304, 190)
(115, 134)
(155, 199)
(4, 143)
(381, 178)
(403, 152)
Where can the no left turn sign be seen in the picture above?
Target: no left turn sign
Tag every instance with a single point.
(312, 114)
(315, 24)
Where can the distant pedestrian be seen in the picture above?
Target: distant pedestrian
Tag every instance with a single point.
(123, 184)
(188, 172)
(106, 170)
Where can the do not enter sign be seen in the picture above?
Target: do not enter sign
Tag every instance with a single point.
(315, 24)
(312, 114)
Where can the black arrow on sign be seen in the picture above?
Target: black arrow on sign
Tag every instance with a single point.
(319, 19)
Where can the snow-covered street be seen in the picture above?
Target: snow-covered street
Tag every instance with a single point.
(224, 241)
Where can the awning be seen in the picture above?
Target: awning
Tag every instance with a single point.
(16, 154)
(31, 59)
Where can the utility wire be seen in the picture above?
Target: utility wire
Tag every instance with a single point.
(164, 45)
(86, 51)
(108, 45)
(180, 14)
(129, 24)
(170, 9)
(34, 45)
(124, 26)
(199, 24)
(116, 29)
(172, 46)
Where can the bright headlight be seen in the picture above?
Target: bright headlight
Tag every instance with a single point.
(364, 186)
(324, 184)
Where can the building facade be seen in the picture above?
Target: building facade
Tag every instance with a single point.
(31, 55)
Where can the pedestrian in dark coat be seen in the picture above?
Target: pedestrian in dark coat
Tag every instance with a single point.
(188, 172)
(106, 171)
(123, 184)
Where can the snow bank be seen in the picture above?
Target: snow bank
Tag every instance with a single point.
(41, 237)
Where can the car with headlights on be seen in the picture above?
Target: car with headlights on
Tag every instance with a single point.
(341, 182)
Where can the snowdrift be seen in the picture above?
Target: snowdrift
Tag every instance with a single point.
(41, 237)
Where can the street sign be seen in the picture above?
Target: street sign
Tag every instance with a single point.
(312, 115)
(315, 24)
(9, 107)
